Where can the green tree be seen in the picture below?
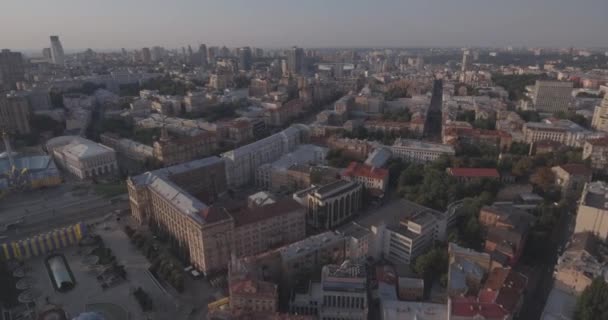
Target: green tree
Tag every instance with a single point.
(543, 178)
(593, 302)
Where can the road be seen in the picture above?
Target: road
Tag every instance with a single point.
(535, 300)
(27, 214)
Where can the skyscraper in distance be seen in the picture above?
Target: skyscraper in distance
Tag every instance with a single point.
(57, 54)
(202, 52)
(245, 58)
(46, 53)
(12, 69)
(465, 60)
(146, 55)
(295, 60)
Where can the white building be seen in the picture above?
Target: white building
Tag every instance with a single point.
(592, 212)
(241, 163)
(562, 131)
(403, 230)
(420, 151)
(600, 116)
(81, 157)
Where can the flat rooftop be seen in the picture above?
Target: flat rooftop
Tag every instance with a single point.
(423, 145)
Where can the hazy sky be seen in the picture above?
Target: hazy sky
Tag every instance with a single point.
(27, 24)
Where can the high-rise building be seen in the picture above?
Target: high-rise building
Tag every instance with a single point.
(245, 58)
(202, 53)
(600, 116)
(146, 55)
(14, 114)
(11, 69)
(46, 53)
(465, 60)
(158, 53)
(57, 51)
(552, 96)
(212, 53)
(295, 60)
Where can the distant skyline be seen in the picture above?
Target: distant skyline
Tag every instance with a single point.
(113, 24)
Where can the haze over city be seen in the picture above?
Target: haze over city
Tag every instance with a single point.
(303, 160)
(113, 24)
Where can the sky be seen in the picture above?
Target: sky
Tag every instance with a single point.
(110, 24)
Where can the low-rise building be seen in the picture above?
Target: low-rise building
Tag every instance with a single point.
(592, 214)
(81, 157)
(169, 150)
(467, 270)
(276, 176)
(580, 263)
(571, 178)
(400, 310)
(498, 139)
(410, 289)
(403, 230)
(558, 130)
(419, 151)
(370, 177)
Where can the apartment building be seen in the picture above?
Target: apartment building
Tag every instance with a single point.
(552, 96)
(600, 116)
(262, 228)
(174, 150)
(241, 163)
(572, 177)
(15, 113)
(583, 260)
(274, 176)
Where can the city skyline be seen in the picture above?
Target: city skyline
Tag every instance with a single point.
(270, 24)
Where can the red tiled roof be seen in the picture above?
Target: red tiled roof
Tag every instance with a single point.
(363, 170)
(576, 169)
(254, 215)
(470, 307)
(474, 172)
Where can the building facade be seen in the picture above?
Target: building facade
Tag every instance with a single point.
(83, 158)
(592, 214)
(596, 151)
(171, 200)
(57, 55)
(600, 116)
(552, 96)
(334, 203)
(14, 114)
(371, 178)
(418, 151)
(12, 69)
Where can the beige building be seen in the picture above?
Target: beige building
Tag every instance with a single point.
(580, 263)
(600, 116)
(572, 178)
(260, 229)
(419, 151)
(14, 113)
(596, 151)
(592, 215)
(170, 151)
(174, 200)
(562, 131)
(81, 157)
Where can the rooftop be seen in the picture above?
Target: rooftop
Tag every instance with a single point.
(334, 188)
(398, 310)
(596, 195)
(253, 215)
(254, 288)
(418, 144)
(310, 244)
(600, 142)
(357, 169)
